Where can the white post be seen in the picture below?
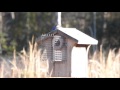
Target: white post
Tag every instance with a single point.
(58, 18)
(79, 62)
(13, 15)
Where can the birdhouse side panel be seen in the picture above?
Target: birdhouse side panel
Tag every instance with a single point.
(47, 51)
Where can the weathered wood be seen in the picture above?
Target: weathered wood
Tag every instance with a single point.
(71, 59)
(70, 45)
(63, 68)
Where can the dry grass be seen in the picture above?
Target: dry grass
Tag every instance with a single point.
(29, 65)
(99, 67)
(26, 65)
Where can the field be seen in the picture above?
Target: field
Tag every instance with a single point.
(101, 67)
(27, 64)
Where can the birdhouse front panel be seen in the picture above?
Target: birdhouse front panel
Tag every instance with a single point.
(54, 50)
(63, 68)
(59, 48)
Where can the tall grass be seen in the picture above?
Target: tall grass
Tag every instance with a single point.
(28, 64)
(100, 67)
(25, 65)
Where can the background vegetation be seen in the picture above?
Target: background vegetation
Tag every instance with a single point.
(17, 29)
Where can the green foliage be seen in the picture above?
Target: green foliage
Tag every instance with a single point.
(3, 43)
(27, 24)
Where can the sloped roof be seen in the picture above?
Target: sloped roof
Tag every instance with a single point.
(78, 35)
(75, 34)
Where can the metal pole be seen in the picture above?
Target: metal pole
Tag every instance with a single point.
(1, 32)
(94, 22)
(94, 13)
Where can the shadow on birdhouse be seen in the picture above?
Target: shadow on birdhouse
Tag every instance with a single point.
(67, 52)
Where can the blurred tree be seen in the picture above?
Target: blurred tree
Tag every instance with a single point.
(21, 26)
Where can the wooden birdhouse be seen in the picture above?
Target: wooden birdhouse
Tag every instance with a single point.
(66, 50)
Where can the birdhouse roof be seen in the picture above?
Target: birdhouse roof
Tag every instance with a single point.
(75, 34)
(81, 37)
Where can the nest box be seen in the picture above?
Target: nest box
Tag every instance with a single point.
(66, 51)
